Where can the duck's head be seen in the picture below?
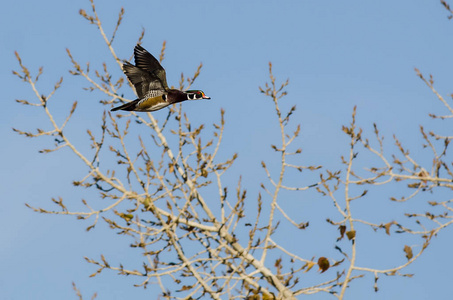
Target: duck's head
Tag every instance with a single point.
(196, 95)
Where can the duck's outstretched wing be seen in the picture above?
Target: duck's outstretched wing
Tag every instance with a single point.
(145, 61)
(145, 83)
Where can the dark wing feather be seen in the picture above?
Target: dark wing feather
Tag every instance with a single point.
(146, 84)
(145, 61)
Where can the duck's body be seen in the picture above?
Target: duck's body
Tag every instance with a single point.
(150, 82)
(152, 103)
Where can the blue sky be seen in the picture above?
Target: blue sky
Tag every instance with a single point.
(336, 55)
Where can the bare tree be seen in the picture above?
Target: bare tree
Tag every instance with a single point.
(200, 237)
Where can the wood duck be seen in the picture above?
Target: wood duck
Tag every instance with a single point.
(150, 82)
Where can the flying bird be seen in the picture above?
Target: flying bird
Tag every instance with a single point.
(150, 83)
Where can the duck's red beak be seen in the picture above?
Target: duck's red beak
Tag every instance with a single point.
(206, 97)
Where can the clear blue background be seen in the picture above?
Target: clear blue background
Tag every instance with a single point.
(337, 54)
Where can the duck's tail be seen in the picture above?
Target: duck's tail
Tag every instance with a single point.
(127, 106)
